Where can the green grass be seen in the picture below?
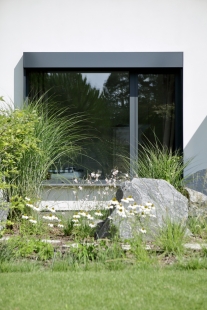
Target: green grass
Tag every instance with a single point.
(133, 288)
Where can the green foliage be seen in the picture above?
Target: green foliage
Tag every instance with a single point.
(17, 206)
(6, 253)
(83, 254)
(198, 226)
(138, 250)
(156, 161)
(68, 227)
(192, 263)
(16, 138)
(27, 228)
(171, 238)
(24, 247)
(80, 231)
(84, 231)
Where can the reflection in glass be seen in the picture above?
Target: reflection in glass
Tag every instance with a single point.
(156, 108)
(103, 101)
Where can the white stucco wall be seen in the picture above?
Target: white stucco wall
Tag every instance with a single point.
(113, 26)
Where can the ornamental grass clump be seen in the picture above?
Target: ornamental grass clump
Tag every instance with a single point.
(58, 137)
(32, 140)
(157, 161)
(171, 237)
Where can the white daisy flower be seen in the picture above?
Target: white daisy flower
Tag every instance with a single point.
(30, 205)
(115, 172)
(52, 210)
(121, 212)
(148, 204)
(98, 213)
(75, 221)
(25, 217)
(92, 225)
(130, 198)
(27, 199)
(76, 216)
(125, 200)
(36, 209)
(50, 225)
(142, 230)
(82, 213)
(131, 213)
(33, 221)
(60, 226)
(114, 202)
(109, 207)
(133, 207)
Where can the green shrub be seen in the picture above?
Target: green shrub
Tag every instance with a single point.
(17, 137)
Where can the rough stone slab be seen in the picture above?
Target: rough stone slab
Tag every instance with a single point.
(197, 203)
(195, 246)
(4, 211)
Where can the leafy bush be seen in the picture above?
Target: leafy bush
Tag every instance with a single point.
(17, 137)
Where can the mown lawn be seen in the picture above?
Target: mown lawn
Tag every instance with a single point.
(131, 288)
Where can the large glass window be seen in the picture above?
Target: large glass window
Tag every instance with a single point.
(102, 100)
(120, 110)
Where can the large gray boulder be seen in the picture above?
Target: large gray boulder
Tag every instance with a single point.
(169, 204)
(197, 203)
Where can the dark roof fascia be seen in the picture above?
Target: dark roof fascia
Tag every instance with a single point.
(102, 60)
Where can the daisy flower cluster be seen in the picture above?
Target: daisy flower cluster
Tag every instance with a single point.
(29, 218)
(50, 217)
(128, 208)
(85, 218)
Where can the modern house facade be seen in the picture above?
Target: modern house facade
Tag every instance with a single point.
(143, 62)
